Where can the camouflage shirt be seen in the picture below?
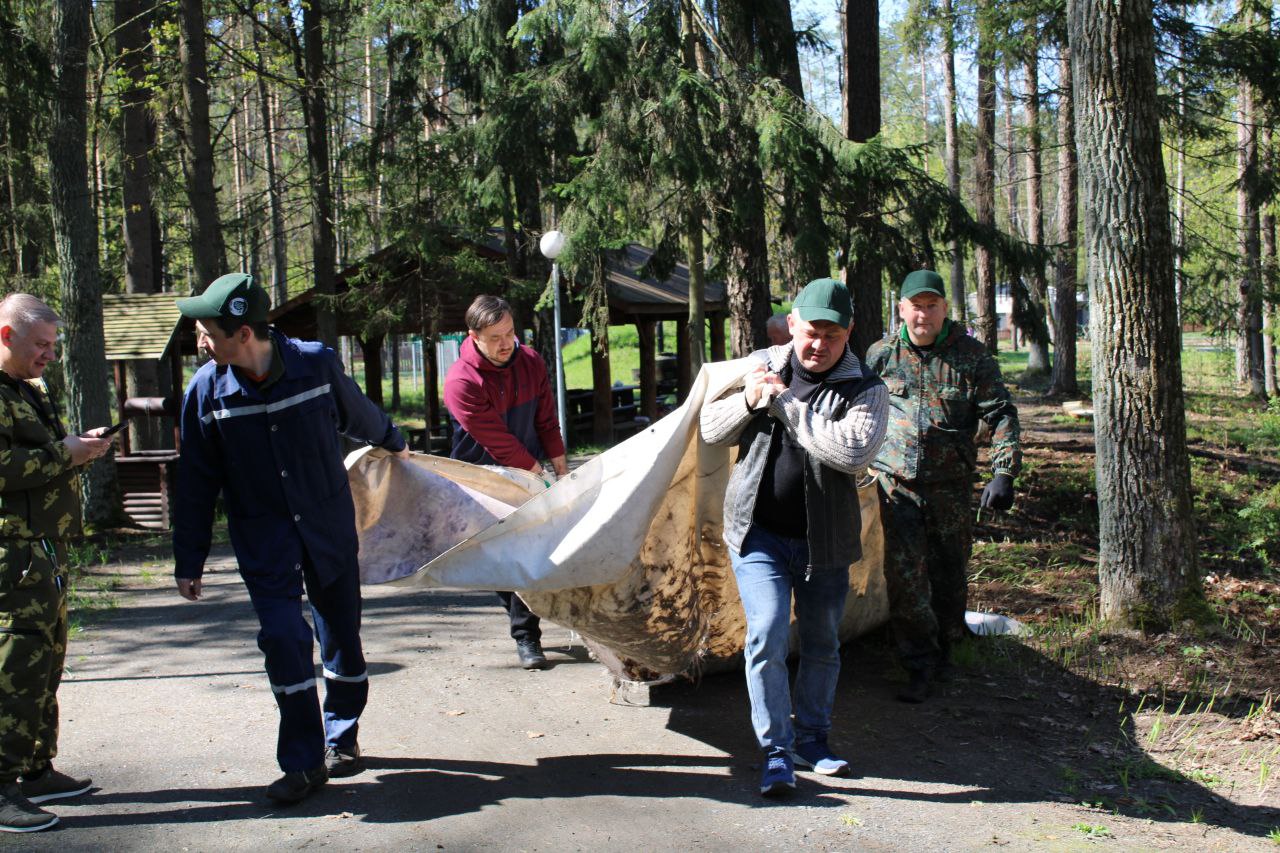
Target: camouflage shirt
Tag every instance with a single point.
(936, 398)
(39, 491)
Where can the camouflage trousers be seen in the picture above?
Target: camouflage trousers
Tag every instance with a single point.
(928, 537)
(33, 644)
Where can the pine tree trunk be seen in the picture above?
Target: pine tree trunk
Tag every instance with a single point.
(864, 274)
(1037, 285)
(984, 178)
(316, 117)
(208, 251)
(1065, 284)
(805, 242)
(1249, 282)
(1148, 565)
(1270, 278)
(861, 78)
(141, 254)
(959, 307)
(740, 216)
(1019, 311)
(695, 326)
(76, 241)
(279, 243)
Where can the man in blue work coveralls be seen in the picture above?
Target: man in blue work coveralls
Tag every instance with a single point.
(260, 424)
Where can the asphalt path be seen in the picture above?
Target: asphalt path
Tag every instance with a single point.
(166, 705)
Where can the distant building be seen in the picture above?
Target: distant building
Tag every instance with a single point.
(1004, 309)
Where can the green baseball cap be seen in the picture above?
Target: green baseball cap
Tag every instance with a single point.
(923, 281)
(825, 299)
(233, 296)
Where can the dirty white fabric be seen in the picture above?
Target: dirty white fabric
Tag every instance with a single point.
(626, 550)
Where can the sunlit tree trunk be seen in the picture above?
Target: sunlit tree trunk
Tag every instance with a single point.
(804, 233)
(984, 177)
(1065, 282)
(959, 307)
(275, 204)
(1148, 565)
(208, 250)
(1249, 280)
(1037, 285)
(76, 242)
(740, 219)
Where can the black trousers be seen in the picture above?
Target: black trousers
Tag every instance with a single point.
(524, 624)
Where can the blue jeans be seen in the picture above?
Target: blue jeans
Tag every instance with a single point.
(769, 570)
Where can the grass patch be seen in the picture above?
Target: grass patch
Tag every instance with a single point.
(1093, 831)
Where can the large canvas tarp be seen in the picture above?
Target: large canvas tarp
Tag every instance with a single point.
(626, 550)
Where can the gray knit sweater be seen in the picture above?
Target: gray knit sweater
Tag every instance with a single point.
(840, 428)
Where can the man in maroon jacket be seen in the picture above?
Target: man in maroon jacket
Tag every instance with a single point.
(504, 413)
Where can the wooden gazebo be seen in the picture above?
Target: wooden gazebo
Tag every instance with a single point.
(145, 327)
(433, 309)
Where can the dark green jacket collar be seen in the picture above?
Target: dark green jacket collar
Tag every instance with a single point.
(938, 342)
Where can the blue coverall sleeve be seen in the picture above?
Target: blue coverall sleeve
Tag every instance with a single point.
(200, 478)
(358, 417)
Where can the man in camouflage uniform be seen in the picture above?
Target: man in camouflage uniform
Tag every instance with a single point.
(39, 509)
(941, 382)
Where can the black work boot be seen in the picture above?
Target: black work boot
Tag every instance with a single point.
(530, 654)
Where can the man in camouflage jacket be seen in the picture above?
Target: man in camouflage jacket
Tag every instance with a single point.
(941, 383)
(39, 510)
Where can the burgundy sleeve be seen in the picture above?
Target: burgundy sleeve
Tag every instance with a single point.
(468, 403)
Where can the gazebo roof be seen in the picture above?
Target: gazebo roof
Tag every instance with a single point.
(631, 298)
(648, 297)
(139, 326)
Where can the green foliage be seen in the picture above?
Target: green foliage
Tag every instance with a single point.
(1261, 517)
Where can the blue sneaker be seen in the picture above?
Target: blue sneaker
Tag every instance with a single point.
(779, 774)
(819, 758)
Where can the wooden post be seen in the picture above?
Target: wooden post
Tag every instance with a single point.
(684, 381)
(175, 390)
(372, 350)
(118, 369)
(602, 396)
(647, 332)
(431, 381)
(717, 337)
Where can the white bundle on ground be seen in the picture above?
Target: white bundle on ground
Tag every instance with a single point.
(626, 550)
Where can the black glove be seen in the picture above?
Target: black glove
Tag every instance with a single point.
(998, 494)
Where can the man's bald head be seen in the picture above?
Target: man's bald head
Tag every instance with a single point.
(22, 310)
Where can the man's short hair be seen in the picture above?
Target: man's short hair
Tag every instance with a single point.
(22, 311)
(486, 310)
(231, 325)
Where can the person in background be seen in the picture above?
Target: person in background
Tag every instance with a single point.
(776, 330)
(504, 413)
(39, 512)
(807, 423)
(942, 383)
(260, 425)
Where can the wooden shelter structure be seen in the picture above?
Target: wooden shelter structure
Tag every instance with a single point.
(432, 307)
(145, 327)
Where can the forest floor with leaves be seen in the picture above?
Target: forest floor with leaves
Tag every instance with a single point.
(1199, 703)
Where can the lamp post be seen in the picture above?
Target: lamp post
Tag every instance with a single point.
(551, 245)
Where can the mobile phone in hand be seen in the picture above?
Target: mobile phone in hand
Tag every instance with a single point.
(109, 431)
